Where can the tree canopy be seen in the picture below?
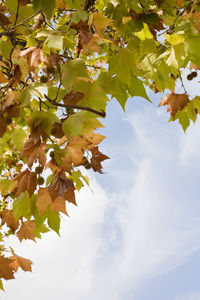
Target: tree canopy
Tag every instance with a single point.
(61, 62)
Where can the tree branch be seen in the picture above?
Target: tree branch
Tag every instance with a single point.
(53, 102)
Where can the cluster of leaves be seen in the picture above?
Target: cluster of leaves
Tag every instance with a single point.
(61, 62)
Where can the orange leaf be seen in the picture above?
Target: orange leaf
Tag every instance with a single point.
(7, 217)
(43, 200)
(175, 102)
(26, 231)
(59, 204)
(23, 263)
(6, 271)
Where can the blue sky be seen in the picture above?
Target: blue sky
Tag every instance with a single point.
(136, 233)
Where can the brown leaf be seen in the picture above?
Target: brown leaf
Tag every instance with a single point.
(63, 187)
(97, 158)
(43, 200)
(39, 22)
(16, 75)
(73, 97)
(3, 125)
(26, 231)
(34, 57)
(6, 271)
(57, 130)
(59, 204)
(23, 263)
(37, 132)
(7, 217)
(86, 40)
(3, 78)
(175, 102)
(26, 182)
(4, 20)
(34, 151)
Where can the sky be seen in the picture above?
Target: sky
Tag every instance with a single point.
(135, 234)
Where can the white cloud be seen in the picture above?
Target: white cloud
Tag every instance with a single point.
(114, 242)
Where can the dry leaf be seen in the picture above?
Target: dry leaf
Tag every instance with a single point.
(6, 271)
(7, 217)
(23, 263)
(97, 158)
(175, 102)
(63, 187)
(59, 204)
(73, 97)
(26, 182)
(34, 151)
(43, 200)
(26, 231)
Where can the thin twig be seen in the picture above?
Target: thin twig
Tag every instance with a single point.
(181, 79)
(27, 19)
(17, 13)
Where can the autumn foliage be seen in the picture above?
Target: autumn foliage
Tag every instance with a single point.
(61, 61)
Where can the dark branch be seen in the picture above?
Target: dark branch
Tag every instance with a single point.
(53, 102)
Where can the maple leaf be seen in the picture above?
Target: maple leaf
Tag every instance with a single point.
(18, 261)
(86, 40)
(97, 158)
(100, 21)
(37, 132)
(34, 57)
(63, 187)
(59, 204)
(175, 102)
(7, 217)
(34, 151)
(43, 200)
(26, 182)
(27, 230)
(6, 270)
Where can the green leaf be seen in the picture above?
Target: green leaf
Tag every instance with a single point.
(192, 46)
(21, 206)
(1, 286)
(46, 5)
(75, 177)
(49, 179)
(40, 115)
(78, 16)
(137, 88)
(71, 71)
(94, 95)
(80, 122)
(126, 59)
(183, 119)
(18, 135)
(53, 219)
(7, 186)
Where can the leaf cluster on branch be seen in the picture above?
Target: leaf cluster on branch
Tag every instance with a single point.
(61, 62)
